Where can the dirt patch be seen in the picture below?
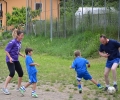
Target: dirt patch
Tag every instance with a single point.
(51, 92)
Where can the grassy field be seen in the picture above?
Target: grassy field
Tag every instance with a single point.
(55, 70)
(55, 58)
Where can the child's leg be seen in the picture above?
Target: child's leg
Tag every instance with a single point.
(34, 87)
(33, 91)
(79, 85)
(87, 76)
(28, 84)
(23, 88)
(94, 81)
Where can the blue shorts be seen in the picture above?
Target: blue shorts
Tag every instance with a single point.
(109, 63)
(33, 78)
(84, 75)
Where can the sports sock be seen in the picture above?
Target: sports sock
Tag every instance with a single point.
(23, 88)
(107, 85)
(33, 92)
(98, 85)
(79, 86)
(114, 83)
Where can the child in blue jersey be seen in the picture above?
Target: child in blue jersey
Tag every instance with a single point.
(32, 73)
(79, 64)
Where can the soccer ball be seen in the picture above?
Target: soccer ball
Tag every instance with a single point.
(111, 90)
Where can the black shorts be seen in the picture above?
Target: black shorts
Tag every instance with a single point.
(15, 66)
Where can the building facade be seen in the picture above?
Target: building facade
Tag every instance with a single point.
(44, 5)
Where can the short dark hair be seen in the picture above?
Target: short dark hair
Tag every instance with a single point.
(103, 36)
(19, 32)
(27, 50)
(77, 53)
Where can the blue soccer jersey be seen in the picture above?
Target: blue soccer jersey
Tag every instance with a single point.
(79, 64)
(30, 69)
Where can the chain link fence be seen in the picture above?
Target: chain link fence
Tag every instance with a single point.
(103, 19)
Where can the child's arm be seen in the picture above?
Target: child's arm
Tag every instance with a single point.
(34, 64)
(88, 64)
(71, 67)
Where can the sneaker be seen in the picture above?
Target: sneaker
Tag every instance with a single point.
(106, 88)
(115, 86)
(34, 95)
(80, 90)
(21, 90)
(100, 87)
(5, 91)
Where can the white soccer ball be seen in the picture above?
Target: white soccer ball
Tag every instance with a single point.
(111, 90)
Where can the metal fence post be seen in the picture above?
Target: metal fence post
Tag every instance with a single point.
(73, 18)
(45, 18)
(92, 15)
(51, 21)
(82, 16)
(105, 17)
(119, 22)
(64, 19)
(26, 16)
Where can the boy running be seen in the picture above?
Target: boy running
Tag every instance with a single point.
(79, 64)
(32, 73)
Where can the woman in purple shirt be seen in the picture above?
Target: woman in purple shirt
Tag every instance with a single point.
(12, 53)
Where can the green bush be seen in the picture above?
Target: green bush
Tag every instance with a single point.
(87, 43)
(6, 35)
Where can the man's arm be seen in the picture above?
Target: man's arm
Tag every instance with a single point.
(103, 54)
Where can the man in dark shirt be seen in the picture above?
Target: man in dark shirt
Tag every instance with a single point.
(109, 49)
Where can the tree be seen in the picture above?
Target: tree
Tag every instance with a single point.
(18, 16)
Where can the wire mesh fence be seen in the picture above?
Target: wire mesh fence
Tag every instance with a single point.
(104, 19)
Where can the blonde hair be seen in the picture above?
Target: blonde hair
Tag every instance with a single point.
(77, 53)
(14, 33)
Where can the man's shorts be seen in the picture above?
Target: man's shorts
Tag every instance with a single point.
(33, 78)
(84, 75)
(109, 63)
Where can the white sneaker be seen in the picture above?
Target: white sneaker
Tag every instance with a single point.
(34, 95)
(5, 91)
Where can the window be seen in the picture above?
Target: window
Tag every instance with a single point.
(38, 6)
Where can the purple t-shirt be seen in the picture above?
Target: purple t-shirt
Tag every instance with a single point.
(13, 48)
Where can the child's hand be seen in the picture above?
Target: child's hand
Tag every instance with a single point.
(70, 67)
(37, 64)
(88, 65)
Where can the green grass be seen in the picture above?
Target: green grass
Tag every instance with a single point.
(64, 47)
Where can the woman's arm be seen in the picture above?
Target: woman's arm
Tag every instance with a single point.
(10, 58)
(21, 54)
